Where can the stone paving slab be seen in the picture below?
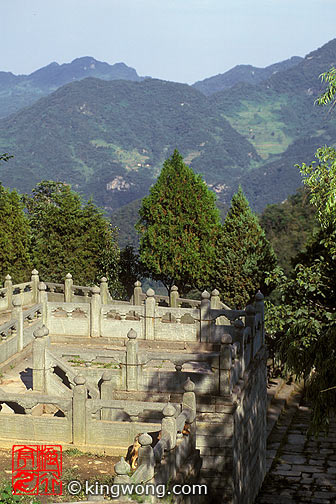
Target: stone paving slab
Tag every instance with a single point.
(303, 470)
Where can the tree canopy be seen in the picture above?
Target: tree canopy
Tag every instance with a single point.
(14, 237)
(178, 227)
(68, 236)
(244, 255)
(305, 319)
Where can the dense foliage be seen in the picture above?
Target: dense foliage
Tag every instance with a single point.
(287, 226)
(178, 226)
(14, 237)
(67, 236)
(305, 320)
(244, 255)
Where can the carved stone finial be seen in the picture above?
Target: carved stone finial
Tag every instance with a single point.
(145, 439)
(137, 284)
(226, 339)
(215, 292)
(107, 376)
(95, 290)
(17, 301)
(250, 310)
(150, 293)
(103, 279)
(189, 386)
(42, 286)
(41, 332)
(34, 272)
(122, 467)
(68, 276)
(132, 334)
(79, 380)
(8, 277)
(169, 410)
(259, 296)
(205, 295)
(174, 288)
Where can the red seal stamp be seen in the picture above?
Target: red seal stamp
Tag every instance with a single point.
(37, 469)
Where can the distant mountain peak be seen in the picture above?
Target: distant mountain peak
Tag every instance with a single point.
(243, 74)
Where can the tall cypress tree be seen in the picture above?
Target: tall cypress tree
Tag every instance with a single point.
(178, 226)
(244, 255)
(70, 237)
(14, 237)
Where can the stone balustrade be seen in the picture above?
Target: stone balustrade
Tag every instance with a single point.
(161, 463)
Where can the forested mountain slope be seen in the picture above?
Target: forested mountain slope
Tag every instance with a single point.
(242, 73)
(18, 91)
(109, 139)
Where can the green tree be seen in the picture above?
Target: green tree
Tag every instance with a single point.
(70, 237)
(305, 320)
(14, 237)
(178, 226)
(244, 255)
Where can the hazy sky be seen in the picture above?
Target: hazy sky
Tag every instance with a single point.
(180, 40)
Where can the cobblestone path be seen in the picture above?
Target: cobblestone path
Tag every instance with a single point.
(303, 470)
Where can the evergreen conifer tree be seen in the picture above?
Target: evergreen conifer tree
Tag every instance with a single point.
(69, 237)
(14, 237)
(244, 255)
(178, 225)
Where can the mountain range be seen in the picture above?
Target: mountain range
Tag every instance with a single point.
(107, 131)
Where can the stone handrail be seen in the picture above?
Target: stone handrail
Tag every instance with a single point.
(53, 285)
(29, 401)
(85, 290)
(36, 309)
(8, 327)
(193, 303)
(70, 372)
(22, 285)
(179, 359)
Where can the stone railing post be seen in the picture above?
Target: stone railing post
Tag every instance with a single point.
(259, 307)
(17, 314)
(79, 411)
(146, 456)
(215, 300)
(169, 426)
(205, 328)
(250, 322)
(225, 365)
(150, 315)
(9, 286)
(95, 308)
(104, 292)
(174, 295)
(189, 396)
(132, 361)
(122, 470)
(239, 336)
(35, 282)
(106, 391)
(68, 283)
(42, 298)
(40, 344)
(137, 293)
